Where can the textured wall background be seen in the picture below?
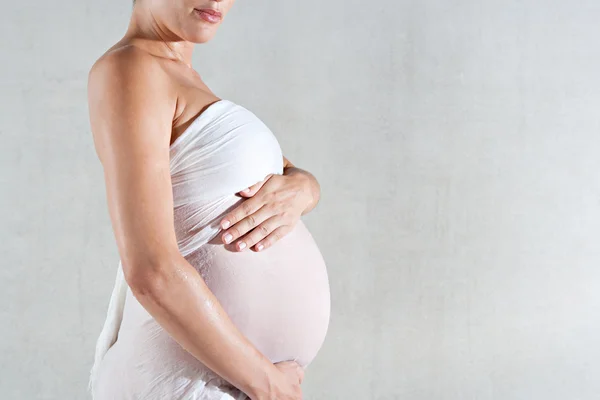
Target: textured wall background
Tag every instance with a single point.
(457, 145)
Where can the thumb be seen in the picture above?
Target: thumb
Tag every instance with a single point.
(250, 191)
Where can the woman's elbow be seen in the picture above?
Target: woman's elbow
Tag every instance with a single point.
(148, 276)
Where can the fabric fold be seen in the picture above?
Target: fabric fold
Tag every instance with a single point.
(212, 160)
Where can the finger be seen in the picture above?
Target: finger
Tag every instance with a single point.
(247, 207)
(247, 224)
(262, 231)
(300, 375)
(251, 191)
(273, 237)
(299, 371)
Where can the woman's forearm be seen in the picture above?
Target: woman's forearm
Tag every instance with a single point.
(178, 298)
(312, 186)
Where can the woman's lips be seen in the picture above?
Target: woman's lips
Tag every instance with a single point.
(211, 16)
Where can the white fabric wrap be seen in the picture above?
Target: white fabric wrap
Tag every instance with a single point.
(226, 149)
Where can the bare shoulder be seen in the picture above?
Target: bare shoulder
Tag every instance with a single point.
(132, 102)
(127, 68)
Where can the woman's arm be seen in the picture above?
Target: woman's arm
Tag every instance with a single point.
(132, 106)
(312, 185)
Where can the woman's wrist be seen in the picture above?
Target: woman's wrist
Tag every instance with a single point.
(262, 388)
(311, 187)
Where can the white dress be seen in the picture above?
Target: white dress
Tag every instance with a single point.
(278, 298)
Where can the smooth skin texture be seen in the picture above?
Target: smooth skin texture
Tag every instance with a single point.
(143, 93)
(274, 207)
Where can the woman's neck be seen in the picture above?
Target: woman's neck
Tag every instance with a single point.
(148, 32)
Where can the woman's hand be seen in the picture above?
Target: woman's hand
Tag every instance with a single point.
(284, 383)
(273, 207)
(293, 375)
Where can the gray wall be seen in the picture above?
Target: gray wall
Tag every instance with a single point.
(457, 147)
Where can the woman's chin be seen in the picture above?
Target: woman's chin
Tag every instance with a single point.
(201, 37)
(198, 34)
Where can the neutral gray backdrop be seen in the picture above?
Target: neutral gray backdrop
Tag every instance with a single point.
(457, 146)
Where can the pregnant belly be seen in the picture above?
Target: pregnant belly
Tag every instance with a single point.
(278, 298)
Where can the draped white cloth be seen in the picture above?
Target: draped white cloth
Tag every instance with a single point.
(224, 150)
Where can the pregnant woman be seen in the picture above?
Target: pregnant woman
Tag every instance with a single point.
(220, 293)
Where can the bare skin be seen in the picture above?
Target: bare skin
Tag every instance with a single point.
(142, 94)
(275, 206)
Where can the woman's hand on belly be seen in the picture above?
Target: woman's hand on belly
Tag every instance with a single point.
(275, 206)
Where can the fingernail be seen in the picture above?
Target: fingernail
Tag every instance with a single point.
(228, 237)
(246, 190)
(225, 224)
(241, 245)
(259, 247)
